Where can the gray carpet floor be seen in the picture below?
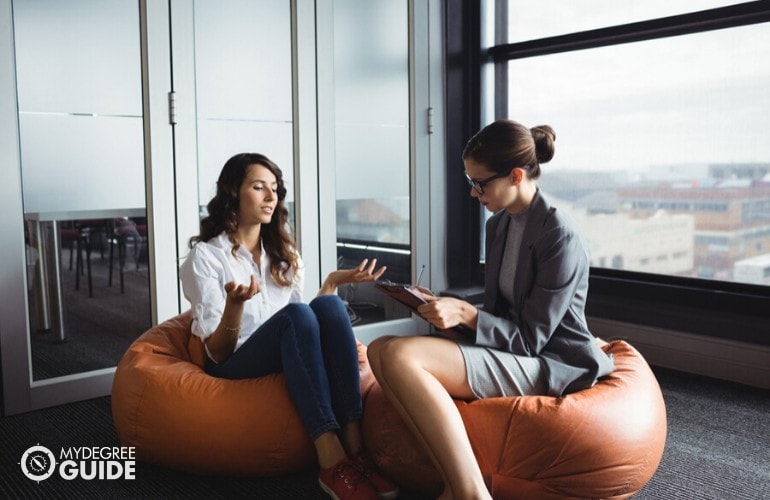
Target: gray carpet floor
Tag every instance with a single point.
(98, 329)
(718, 444)
(718, 447)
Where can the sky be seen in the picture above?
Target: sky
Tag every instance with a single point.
(691, 99)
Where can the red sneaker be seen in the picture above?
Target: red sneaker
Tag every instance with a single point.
(386, 489)
(344, 481)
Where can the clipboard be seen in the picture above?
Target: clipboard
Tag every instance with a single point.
(407, 296)
(404, 294)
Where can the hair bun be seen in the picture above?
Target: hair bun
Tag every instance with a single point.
(544, 142)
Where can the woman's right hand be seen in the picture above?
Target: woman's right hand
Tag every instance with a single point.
(238, 294)
(221, 343)
(447, 312)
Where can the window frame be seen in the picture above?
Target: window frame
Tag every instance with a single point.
(463, 118)
(725, 310)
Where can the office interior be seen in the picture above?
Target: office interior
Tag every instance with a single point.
(117, 116)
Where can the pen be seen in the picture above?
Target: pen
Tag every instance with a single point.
(419, 276)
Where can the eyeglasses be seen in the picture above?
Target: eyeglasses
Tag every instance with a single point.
(478, 186)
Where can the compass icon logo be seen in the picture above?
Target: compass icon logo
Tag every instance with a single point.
(38, 463)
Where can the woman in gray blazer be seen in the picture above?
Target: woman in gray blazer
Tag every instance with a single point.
(531, 335)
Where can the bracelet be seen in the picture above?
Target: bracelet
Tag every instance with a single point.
(232, 329)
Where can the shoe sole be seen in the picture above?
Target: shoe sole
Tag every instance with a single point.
(327, 490)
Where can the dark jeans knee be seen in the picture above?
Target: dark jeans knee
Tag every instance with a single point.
(327, 302)
(302, 318)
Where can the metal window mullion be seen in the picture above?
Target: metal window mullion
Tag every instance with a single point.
(684, 24)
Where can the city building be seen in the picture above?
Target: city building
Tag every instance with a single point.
(661, 243)
(754, 270)
(732, 218)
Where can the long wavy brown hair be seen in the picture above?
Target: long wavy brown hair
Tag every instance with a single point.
(223, 215)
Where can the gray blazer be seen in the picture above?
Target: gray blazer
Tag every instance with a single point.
(550, 287)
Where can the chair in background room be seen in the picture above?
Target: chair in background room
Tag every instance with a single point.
(141, 249)
(125, 230)
(98, 232)
(77, 241)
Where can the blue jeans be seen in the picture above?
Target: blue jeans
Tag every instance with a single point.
(314, 346)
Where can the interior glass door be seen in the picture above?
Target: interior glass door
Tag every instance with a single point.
(78, 71)
(79, 274)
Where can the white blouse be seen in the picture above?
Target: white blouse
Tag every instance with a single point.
(211, 264)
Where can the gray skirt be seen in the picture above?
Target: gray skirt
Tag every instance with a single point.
(494, 373)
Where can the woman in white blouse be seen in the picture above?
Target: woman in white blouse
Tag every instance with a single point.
(244, 279)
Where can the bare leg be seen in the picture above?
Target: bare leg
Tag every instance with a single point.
(373, 353)
(420, 376)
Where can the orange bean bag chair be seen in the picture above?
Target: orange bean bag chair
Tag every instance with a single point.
(177, 416)
(602, 442)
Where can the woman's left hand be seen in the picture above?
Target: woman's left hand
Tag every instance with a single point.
(364, 272)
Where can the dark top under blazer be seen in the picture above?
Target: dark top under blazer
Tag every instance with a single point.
(550, 287)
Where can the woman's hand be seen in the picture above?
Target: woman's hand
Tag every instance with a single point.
(238, 294)
(359, 274)
(365, 271)
(222, 342)
(447, 312)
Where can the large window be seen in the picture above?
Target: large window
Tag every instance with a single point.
(660, 147)
(661, 114)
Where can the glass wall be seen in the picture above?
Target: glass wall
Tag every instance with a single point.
(243, 86)
(372, 147)
(128, 110)
(83, 181)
